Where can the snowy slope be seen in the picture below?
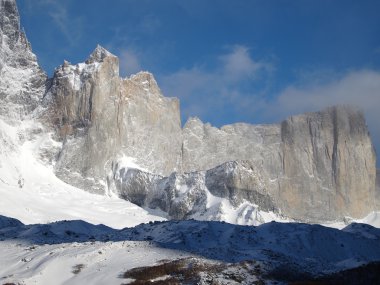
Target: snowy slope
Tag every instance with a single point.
(54, 253)
(31, 192)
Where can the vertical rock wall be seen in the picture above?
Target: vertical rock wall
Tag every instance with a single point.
(101, 117)
(328, 164)
(315, 167)
(318, 166)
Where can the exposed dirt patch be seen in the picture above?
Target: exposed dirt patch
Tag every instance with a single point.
(193, 271)
(77, 268)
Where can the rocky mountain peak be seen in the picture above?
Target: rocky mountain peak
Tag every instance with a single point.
(15, 50)
(76, 75)
(100, 117)
(22, 81)
(99, 54)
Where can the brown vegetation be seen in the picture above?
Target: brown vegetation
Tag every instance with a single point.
(191, 271)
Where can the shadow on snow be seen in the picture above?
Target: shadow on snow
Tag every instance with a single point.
(313, 247)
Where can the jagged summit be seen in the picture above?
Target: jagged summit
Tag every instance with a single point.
(99, 54)
(15, 50)
(143, 77)
(192, 122)
(22, 81)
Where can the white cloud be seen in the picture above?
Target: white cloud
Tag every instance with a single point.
(69, 26)
(360, 88)
(129, 63)
(194, 87)
(202, 90)
(238, 64)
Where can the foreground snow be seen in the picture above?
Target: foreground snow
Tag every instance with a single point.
(75, 252)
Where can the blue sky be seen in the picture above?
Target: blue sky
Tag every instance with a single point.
(227, 61)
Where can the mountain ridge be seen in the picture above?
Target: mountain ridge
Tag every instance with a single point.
(302, 163)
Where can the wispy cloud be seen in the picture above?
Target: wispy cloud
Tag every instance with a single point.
(205, 91)
(221, 92)
(359, 88)
(129, 62)
(238, 64)
(69, 26)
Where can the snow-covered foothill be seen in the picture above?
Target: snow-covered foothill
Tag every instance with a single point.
(81, 252)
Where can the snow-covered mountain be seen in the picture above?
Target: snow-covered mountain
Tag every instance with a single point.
(121, 141)
(121, 136)
(312, 167)
(87, 125)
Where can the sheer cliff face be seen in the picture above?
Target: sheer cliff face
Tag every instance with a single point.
(205, 146)
(101, 117)
(22, 82)
(316, 166)
(331, 162)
